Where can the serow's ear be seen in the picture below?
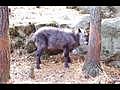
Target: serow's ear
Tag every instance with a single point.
(79, 30)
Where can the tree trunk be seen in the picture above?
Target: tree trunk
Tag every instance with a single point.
(92, 63)
(4, 45)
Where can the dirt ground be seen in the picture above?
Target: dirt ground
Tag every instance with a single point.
(23, 71)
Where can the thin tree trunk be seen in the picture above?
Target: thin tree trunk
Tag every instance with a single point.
(4, 45)
(92, 63)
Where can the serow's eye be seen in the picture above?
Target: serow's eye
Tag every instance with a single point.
(79, 30)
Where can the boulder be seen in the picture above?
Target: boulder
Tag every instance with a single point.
(110, 46)
(83, 22)
(110, 32)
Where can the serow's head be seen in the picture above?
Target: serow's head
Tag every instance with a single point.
(82, 36)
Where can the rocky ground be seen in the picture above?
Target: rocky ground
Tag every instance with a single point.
(22, 65)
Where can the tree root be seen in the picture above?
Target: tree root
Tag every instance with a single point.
(91, 68)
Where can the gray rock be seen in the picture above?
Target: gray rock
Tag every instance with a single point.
(84, 22)
(110, 32)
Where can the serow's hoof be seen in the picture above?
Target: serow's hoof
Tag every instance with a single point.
(38, 67)
(69, 61)
(66, 66)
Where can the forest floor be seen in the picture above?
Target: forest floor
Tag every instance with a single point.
(22, 66)
(23, 71)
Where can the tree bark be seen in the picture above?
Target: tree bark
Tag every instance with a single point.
(4, 45)
(92, 63)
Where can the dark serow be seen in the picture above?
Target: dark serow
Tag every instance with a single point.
(55, 40)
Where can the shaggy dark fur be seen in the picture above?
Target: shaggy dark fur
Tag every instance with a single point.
(55, 40)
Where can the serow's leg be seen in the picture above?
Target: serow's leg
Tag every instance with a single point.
(69, 60)
(38, 56)
(66, 57)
